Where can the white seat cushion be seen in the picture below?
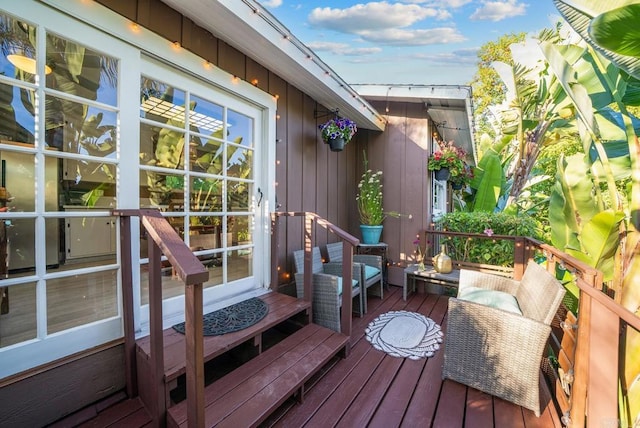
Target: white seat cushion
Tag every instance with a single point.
(491, 298)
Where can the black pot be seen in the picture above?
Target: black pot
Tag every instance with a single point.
(336, 144)
(442, 174)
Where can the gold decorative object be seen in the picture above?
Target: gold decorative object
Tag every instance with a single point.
(442, 262)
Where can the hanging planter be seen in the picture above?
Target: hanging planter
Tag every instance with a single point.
(337, 132)
(442, 174)
(336, 144)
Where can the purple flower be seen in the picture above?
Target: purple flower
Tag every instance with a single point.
(488, 232)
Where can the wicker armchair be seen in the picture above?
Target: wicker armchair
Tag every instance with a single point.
(369, 271)
(327, 289)
(496, 350)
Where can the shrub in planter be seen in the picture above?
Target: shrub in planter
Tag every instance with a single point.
(481, 250)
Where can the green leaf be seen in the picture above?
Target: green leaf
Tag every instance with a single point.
(600, 239)
(618, 30)
(580, 13)
(488, 177)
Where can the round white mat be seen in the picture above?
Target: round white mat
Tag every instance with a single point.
(405, 334)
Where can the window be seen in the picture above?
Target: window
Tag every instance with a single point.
(89, 124)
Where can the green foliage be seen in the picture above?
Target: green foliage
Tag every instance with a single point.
(483, 250)
(369, 197)
(488, 88)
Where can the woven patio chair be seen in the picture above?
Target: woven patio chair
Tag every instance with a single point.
(327, 289)
(497, 330)
(369, 272)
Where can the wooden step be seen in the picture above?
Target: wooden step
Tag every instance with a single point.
(281, 308)
(248, 395)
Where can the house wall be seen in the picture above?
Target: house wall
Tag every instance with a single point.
(401, 152)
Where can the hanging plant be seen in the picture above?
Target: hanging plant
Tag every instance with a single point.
(337, 132)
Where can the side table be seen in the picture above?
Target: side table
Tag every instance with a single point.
(379, 249)
(449, 281)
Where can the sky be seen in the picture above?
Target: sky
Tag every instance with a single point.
(422, 42)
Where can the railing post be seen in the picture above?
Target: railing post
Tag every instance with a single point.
(347, 281)
(127, 307)
(155, 334)
(275, 236)
(195, 358)
(308, 260)
(519, 258)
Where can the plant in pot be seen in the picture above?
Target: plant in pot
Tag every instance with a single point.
(369, 201)
(337, 132)
(447, 161)
(460, 178)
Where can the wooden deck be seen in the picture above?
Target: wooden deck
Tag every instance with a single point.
(371, 388)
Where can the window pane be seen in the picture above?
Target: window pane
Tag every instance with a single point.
(17, 119)
(206, 194)
(89, 241)
(163, 191)
(206, 117)
(239, 128)
(80, 128)
(81, 299)
(80, 71)
(239, 162)
(162, 147)
(241, 228)
(17, 313)
(204, 233)
(18, 174)
(18, 58)
(239, 264)
(205, 155)
(238, 196)
(161, 102)
(87, 184)
(18, 247)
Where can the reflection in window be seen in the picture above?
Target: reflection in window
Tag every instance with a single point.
(164, 191)
(206, 194)
(239, 128)
(238, 196)
(17, 313)
(216, 178)
(81, 299)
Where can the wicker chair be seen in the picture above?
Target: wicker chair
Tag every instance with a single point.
(327, 289)
(369, 271)
(495, 350)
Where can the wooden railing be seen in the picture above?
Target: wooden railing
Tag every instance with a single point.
(348, 242)
(595, 358)
(163, 239)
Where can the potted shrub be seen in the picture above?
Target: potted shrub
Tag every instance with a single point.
(369, 200)
(337, 132)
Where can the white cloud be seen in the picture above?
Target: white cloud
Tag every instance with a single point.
(400, 37)
(373, 16)
(462, 57)
(342, 49)
(451, 4)
(271, 3)
(498, 10)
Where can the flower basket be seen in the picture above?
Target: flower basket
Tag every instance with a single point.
(337, 132)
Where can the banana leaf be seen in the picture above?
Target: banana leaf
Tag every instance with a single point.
(599, 241)
(580, 14)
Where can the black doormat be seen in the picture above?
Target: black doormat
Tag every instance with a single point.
(232, 318)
